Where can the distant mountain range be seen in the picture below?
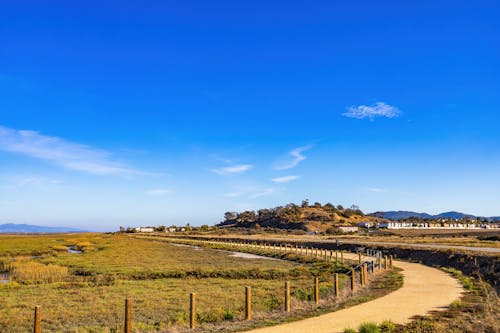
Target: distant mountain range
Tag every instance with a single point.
(399, 215)
(28, 229)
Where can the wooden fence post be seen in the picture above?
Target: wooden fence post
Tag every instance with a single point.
(342, 256)
(37, 325)
(128, 316)
(390, 261)
(336, 284)
(316, 290)
(287, 296)
(361, 276)
(352, 280)
(385, 262)
(248, 303)
(192, 310)
(359, 258)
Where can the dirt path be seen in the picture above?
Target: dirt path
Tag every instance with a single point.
(424, 289)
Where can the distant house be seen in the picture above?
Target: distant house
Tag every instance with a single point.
(144, 229)
(367, 224)
(407, 225)
(347, 228)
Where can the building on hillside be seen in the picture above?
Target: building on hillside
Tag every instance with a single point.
(347, 228)
(144, 229)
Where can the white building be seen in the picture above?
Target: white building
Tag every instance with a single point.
(144, 229)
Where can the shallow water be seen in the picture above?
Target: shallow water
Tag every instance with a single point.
(250, 256)
(4, 278)
(197, 248)
(71, 249)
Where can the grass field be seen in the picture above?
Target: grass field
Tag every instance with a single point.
(85, 292)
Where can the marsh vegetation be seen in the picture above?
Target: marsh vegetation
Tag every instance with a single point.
(85, 292)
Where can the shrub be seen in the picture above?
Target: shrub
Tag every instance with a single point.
(368, 328)
(302, 295)
(467, 283)
(387, 326)
(349, 330)
(228, 314)
(272, 303)
(457, 305)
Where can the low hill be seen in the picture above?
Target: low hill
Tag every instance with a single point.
(13, 228)
(305, 217)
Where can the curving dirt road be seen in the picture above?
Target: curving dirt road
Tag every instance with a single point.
(424, 289)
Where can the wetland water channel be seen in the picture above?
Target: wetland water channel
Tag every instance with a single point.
(243, 255)
(4, 278)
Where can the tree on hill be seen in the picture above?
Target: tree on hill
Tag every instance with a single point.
(230, 216)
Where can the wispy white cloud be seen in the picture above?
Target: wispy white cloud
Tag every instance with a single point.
(158, 192)
(251, 191)
(232, 169)
(378, 190)
(292, 159)
(233, 194)
(68, 154)
(285, 179)
(262, 193)
(379, 109)
(36, 181)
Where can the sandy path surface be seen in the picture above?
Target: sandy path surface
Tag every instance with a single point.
(424, 289)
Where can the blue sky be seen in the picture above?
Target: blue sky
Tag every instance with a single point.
(171, 112)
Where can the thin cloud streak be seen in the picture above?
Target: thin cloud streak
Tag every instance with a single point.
(233, 169)
(263, 193)
(158, 192)
(68, 154)
(233, 194)
(378, 190)
(379, 109)
(294, 158)
(284, 179)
